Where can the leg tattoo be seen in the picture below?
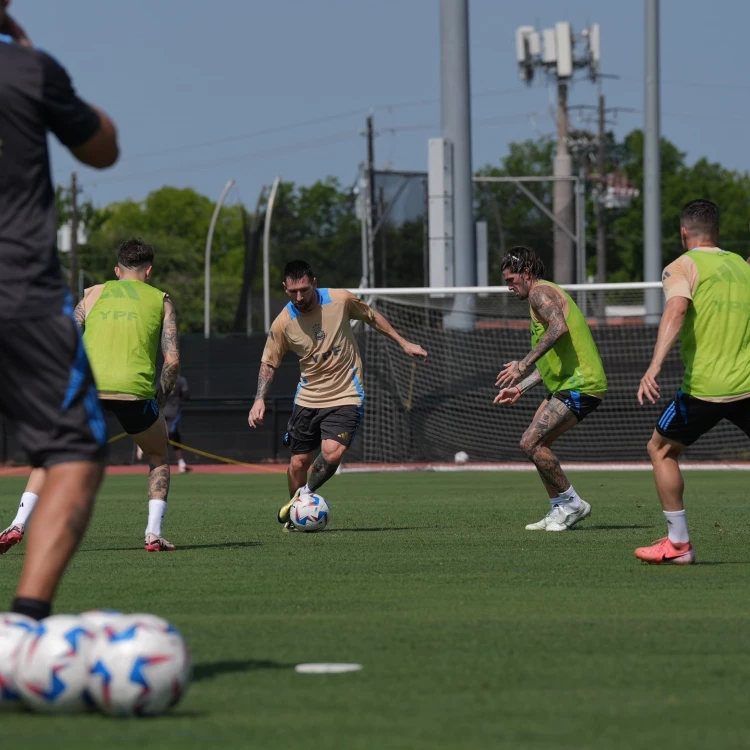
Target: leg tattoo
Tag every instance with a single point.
(158, 482)
(320, 473)
(553, 416)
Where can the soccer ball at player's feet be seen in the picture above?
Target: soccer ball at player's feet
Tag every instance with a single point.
(141, 667)
(310, 513)
(13, 628)
(52, 664)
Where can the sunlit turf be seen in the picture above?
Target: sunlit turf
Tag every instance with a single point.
(473, 633)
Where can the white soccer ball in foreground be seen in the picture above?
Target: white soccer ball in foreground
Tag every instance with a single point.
(52, 664)
(310, 513)
(13, 628)
(461, 457)
(139, 669)
(101, 619)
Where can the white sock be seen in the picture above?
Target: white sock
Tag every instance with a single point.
(677, 529)
(570, 499)
(181, 463)
(156, 511)
(25, 508)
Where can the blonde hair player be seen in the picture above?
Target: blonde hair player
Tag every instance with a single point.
(329, 402)
(123, 324)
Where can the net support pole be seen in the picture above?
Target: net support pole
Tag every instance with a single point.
(652, 166)
(455, 117)
(207, 260)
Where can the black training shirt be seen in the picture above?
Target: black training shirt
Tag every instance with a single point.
(36, 95)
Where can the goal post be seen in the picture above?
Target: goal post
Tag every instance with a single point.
(419, 413)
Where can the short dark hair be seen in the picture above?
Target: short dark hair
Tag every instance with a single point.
(700, 217)
(135, 253)
(522, 259)
(296, 270)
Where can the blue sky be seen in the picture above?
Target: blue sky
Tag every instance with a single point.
(249, 89)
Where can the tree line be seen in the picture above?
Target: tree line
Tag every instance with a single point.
(320, 223)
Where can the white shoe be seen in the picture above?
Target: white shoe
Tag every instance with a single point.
(541, 525)
(562, 520)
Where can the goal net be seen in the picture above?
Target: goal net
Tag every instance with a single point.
(418, 413)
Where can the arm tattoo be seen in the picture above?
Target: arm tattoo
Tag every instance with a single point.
(170, 348)
(548, 307)
(80, 315)
(158, 482)
(265, 377)
(554, 415)
(534, 379)
(320, 473)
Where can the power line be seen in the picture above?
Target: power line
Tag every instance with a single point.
(309, 123)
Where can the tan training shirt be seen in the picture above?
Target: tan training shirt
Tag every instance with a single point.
(330, 365)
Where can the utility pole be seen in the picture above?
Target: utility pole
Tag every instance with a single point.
(372, 218)
(554, 51)
(652, 166)
(74, 235)
(601, 213)
(562, 194)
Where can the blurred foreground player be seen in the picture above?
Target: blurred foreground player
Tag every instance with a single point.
(708, 308)
(48, 390)
(328, 406)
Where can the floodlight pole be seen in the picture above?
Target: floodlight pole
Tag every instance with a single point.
(652, 166)
(455, 119)
(207, 261)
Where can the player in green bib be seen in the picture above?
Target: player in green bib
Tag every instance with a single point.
(124, 324)
(564, 357)
(708, 306)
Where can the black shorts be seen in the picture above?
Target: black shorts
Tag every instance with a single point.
(581, 404)
(48, 391)
(686, 418)
(307, 427)
(134, 416)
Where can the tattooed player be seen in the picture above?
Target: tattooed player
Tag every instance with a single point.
(123, 322)
(567, 362)
(328, 405)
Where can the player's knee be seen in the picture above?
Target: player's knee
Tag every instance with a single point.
(658, 450)
(528, 444)
(299, 463)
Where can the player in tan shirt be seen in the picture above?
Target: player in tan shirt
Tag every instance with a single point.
(328, 405)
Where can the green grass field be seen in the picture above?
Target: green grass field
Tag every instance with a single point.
(473, 633)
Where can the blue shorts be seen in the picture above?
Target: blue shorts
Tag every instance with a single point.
(581, 404)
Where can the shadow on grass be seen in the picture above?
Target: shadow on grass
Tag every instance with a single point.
(214, 669)
(180, 547)
(613, 527)
(380, 528)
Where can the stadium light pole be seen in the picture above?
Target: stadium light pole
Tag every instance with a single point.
(652, 166)
(207, 260)
(455, 120)
(267, 255)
